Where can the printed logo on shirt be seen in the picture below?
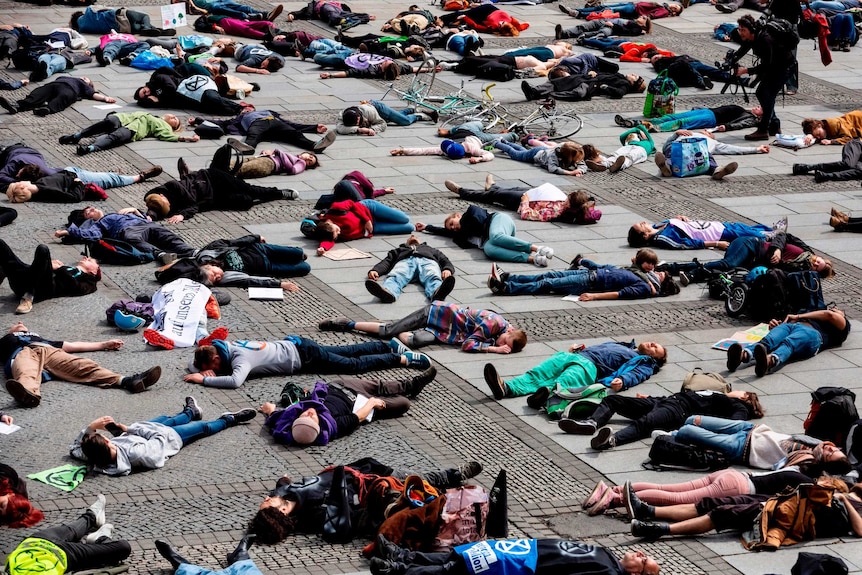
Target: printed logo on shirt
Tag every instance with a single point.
(252, 345)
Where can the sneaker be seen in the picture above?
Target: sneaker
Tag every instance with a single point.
(496, 286)
(241, 147)
(723, 171)
(761, 360)
(494, 381)
(141, 381)
(659, 432)
(558, 32)
(415, 385)
(289, 194)
(153, 337)
(324, 142)
(148, 174)
(469, 470)
(168, 258)
(237, 417)
(73, 139)
(576, 262)
(540, 261)
(192, 405)
(539, 398)
(594, 166)
(623, 122)
(219, 333)
(726, 8)
(397, 347)
(603, 504)
(635, 508)
(83, 150)
(446, 287)
(25, 305)
(376, 289)
(684, 279)
(417, 360)
(598, 492)
(42, 111)
(780, 225)
(604, 439)
(104, 531)
(546, 251)
(496, 271)
(22, 395)
(275, 13)
(98, 509)
(578, 427)
(661, 162)
(651, 529)
(452, 187)
(335, 324)
(617, 165)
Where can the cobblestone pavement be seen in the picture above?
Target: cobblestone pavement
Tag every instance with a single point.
(204, 497)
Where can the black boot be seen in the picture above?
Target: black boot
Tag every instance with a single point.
(497, 522)
(165, 550)
(801, 169)
(390, 551)
(384, 567)
(649, 529)
(415, 385)
(822, 176)
(241, 551)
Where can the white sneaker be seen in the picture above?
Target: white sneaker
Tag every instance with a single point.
(546, 251)
(104, 531)
(540, 261)
(659, 433)
(98, 509)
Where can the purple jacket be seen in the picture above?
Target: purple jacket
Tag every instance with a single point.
(16, 157)
(280, 422)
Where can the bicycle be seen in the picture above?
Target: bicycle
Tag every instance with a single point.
(458, 104)
(545, 121)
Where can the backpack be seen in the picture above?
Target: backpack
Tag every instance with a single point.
(782, 32)
(667, 454)
(130, 307)
(853, 444)
(117, 252)
(805, 291)
(818, 564)
(767, 297)
(833, 412)
(699, 380)
(660, 97)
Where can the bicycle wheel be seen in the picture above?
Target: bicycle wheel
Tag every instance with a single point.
(423, 79)
(555, 125)
(734, 305)
(488, 118)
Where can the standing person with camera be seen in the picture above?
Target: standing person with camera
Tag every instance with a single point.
(775, 63)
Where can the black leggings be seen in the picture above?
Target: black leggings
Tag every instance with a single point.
(509, 198)
(36, 278)
(276, 130)
(647, 413)
(81, 556)
(232, 193)
(54, 96)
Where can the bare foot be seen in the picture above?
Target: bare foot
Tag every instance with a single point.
(489, 181)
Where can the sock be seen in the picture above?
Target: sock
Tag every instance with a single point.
(352, 325)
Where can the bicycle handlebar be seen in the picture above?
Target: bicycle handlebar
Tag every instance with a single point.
(487, 91)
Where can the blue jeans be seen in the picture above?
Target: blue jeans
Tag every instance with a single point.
(791, 341)
(356, 358)
(842, 28)
(604, 44)
(566, 282)
(422, 270)
(518, 152)
(725, 435)
(388, 221)
(284, 261)
(121, 48)
(327, 47)
(818, 5)
(502, 245)
(191, 430)
(232, 10)
(625, 10)
(475, 128)
(104, 180)
(689, 120)
(403, 118)
(54, 62)
(591, 265)
(733, 230)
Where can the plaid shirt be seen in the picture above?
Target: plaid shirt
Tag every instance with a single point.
(473, 330)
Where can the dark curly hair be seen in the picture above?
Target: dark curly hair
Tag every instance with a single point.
(271, 525)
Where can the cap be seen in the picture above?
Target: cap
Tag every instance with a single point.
(305, 430)
(453, 150)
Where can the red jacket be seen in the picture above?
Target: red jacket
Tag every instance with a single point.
(633, 51)
(351, 222)
(493, 21)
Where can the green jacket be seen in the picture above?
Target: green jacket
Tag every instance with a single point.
(144, 125)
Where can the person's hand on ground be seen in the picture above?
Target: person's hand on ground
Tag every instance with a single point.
(194, 378)
(616, 384)
(267, 408)
(445, 274)
(499, 349)
(7, 419)
(175, 219)
(373, 275)
(112, 344)
(289, 286)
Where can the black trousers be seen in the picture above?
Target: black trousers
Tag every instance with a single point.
(232, 193)
(55, 96)
(214, 103)
(81, 556)
(509, 198)
(113, 133)
(155, 239)
(850, 166)
(277, 130)
(647, 414)
(36, 278)
(7, 216)
(766, 93)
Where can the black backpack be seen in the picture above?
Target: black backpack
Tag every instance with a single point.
(833, 412)
(818, 564)
(804, 291)
(767, 296)
(668, 454)
(782, 32)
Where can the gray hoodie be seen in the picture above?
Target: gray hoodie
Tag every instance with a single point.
(252, 358)
(146, 445)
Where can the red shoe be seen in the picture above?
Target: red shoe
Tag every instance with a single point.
(218, 333)
(155, 338)
(212, 308)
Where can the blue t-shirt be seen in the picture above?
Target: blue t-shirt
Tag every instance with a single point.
(506, 557)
